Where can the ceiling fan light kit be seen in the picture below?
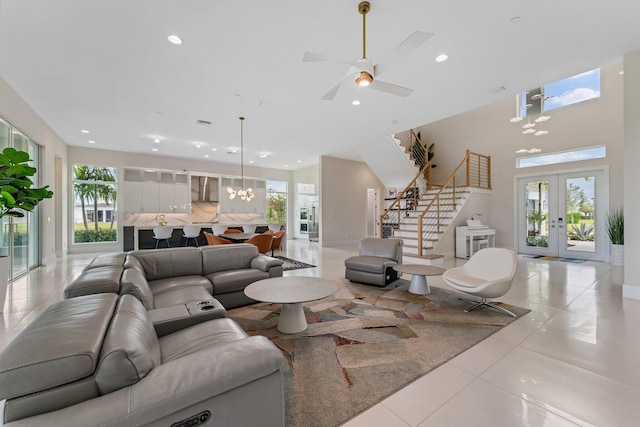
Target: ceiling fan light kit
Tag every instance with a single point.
(364, 79)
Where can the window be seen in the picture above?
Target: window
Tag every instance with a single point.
(572, 90)
(94, 210)
(562, 157)
(276, 202)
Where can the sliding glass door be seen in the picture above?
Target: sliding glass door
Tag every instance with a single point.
(563, 215)
(19, 236)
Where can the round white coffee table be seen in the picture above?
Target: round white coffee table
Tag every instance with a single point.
(291, 292)
(419, 272)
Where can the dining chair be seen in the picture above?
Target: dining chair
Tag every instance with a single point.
(277, 240)
(262, 242)
(231, 231)
(212, 239)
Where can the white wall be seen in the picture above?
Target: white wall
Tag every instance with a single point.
(22, 116)
(487, 130)
(343, 200)
(631, 288)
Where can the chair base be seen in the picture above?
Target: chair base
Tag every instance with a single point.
(195, 241)
(485, 302)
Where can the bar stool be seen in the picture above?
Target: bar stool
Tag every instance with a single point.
(191, 232)
(162, 233)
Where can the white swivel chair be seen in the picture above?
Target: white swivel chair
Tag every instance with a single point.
(191, 232)
(162, 233)
(488, 274)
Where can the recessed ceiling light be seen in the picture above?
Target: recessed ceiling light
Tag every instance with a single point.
(84, 131)
(156, 140)
(154, 149)
(174, 39)
(198, 145)
(263, 155)
(621, 72)
(442, 57)
(206, 155)
(91, 141)
(299, 161)
(286, 166)
(355, 102)
(250, 161)
(214, 149)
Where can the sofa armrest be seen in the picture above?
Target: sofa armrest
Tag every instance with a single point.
(183, 383)
(265, 263)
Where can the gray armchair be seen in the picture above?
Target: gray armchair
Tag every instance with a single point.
(375, 261)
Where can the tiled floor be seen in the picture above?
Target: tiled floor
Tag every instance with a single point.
(574, 360)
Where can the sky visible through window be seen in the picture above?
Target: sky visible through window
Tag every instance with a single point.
(563, 157)
(572, 90)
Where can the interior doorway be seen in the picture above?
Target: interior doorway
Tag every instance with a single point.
(563, 214)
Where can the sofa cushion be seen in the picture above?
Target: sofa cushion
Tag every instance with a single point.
(198, 337)
(384, 248)
(163, 263)
(369, 264)
(235, 280)
(134, 283)
(180, 282)
(180, 296)
(130, 349)
(227, 257)
(107, 260)
(55, 353)
(95, 280)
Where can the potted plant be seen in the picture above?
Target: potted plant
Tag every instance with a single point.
(17, 197)
(615, 230)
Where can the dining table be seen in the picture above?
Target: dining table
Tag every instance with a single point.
(237, 237)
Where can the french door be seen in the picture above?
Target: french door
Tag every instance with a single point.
(563, 215)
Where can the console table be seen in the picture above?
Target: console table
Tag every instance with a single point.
(465, 237)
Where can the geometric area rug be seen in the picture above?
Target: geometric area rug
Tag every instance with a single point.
(291, 264)
(364, 343)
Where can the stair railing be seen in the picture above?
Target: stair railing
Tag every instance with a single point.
(405, 201)
(473, 171)
(417, 150)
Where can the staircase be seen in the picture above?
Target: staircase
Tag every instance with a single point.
(423, 211)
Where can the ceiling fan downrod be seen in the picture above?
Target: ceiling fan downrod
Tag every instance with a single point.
(364, 8)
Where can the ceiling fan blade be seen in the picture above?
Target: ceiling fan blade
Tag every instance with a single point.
(403, 49)
(334, 90)
(390, 88)
(319, 57)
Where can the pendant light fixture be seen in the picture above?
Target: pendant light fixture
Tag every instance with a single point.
(242, 193)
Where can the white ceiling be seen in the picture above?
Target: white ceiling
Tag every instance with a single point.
(106, 66)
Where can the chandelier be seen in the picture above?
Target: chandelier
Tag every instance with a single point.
(242, 193)
(532, 109)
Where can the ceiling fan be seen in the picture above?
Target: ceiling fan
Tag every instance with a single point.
(367, 72)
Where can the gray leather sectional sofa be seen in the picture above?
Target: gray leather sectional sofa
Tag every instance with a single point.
(168, 277)
(96, 360)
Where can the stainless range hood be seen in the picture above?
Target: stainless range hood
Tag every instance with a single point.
(204, 189)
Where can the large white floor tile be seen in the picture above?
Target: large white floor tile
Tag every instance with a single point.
(419, 399)
(482, 404)
(480, 357)
(377, 416)
(568, 391)
(615, 361)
